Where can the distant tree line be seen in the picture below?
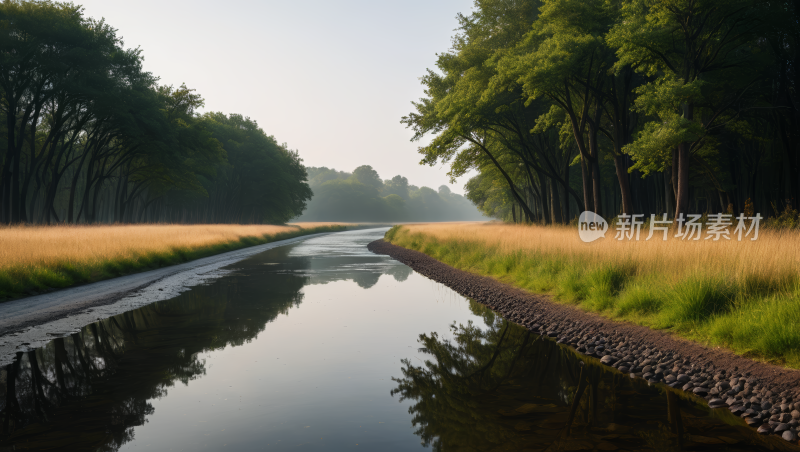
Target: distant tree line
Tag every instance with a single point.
(363, 196)
(89, 136)
(633, 106)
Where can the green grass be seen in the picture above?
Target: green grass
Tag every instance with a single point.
(17, 282)
(753, 317)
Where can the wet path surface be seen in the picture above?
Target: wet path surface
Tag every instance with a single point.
(323, 345)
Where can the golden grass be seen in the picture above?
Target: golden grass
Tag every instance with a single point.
(774, 256)
(44, 245)
(34, 258)
(741, 295)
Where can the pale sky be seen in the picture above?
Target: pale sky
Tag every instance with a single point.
(330, 79)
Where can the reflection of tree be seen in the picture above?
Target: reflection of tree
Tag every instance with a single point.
(365, 279)
(450, 389)
(501, 388)
(364, 270)
(400, 272)
(87, 391)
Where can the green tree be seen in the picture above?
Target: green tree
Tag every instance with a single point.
(368, 176)
(701, 56)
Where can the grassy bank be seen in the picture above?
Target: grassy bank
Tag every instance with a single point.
(741, 295)
(36, 259)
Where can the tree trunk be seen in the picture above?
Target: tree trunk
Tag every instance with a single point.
(682, 205)
(596, 187)
(587, 187)
(555, 202)
(624, 184)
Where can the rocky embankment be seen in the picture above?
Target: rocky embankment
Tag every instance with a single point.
(766, 396)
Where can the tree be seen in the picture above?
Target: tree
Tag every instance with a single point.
(398, 185)
(701, 55)
(368, 176)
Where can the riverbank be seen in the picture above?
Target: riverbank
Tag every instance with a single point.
(40, 259)
(765, 394)
(744, 296)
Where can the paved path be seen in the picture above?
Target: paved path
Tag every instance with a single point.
(30, 322)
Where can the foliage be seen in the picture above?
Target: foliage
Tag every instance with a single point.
(91, 137)
(363, 196)
(660, 106)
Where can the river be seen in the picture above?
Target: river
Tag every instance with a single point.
(324, 346)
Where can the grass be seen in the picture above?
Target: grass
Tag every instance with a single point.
(35, 259)
(744, 296)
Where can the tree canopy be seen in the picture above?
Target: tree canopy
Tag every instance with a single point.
(89, 136)
(363, 196)
(672, 106)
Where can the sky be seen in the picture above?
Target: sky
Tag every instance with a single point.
(329, 79)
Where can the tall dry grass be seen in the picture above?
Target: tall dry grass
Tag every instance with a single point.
(36, 258)
(741, 295)
(775, 256)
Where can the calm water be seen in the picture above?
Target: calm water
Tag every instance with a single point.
(324, 346)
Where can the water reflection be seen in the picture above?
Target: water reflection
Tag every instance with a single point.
(322, 378)
(89, 390)
(501, 388)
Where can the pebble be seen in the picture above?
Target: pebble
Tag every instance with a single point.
(789, 435)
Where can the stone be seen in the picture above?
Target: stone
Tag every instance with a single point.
(669, 379)
(716, 403)
(701, 391)
(796, 414)
(683, 378)
(608, 360)
(764, 429)
(789, 435)
(752, 422)
(781, 428)
(688, 386)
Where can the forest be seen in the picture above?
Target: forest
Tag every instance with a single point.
(363, 196)
(631, 106)
(90, 137)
